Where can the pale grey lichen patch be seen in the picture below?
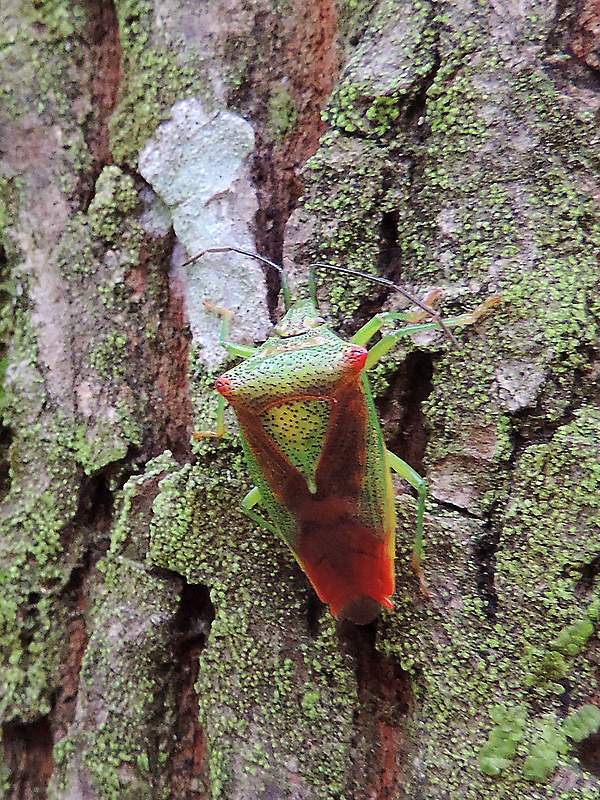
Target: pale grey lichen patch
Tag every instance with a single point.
(519, 383)
(199, 164)
(155, 218)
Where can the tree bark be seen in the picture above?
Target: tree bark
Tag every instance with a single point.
(156, 642)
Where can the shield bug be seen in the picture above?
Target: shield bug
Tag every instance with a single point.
(315, 449)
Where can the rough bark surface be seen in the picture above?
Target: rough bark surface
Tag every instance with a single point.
(155, 642)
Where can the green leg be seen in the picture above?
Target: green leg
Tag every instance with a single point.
(387, 343)
(370, 328)
(220, 429)
(382, 347)
(420, 484)
(252, 499)
(233, 349)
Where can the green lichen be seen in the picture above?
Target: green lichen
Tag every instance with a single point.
(114, 199)
(127, 675)
(282, 113)
(545, 668)
(110, 221)
(127, 669)
(123, 541)
(540, 742)
(42, 541)
(583, 722)
(62, 21)
(349, 197)
(504, 738)
(274, 701)
(372, 99)
(31, 616)
(551, 652)
(95, 448)
(41, 500)
(545, 751)
(53, 47)
(354, 17)
(109, 355)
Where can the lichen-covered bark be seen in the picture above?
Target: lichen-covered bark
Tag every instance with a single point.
(155, 642)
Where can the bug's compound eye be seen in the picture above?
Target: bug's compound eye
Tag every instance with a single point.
(356, 357)
(223, 386)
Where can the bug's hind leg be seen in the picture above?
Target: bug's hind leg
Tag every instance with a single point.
(420, 484)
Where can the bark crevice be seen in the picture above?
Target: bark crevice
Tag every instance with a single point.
(189, 758)
(105, 53)
(385, 699)
(28, 757)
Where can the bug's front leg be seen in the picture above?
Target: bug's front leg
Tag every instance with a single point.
(366, 333)
(220, 428)
(239, 350)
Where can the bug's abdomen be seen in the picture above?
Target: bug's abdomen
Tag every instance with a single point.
(347, 562)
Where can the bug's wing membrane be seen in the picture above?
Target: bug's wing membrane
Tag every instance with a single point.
(347, 542)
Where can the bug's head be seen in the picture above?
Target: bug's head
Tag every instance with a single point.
(302, 317)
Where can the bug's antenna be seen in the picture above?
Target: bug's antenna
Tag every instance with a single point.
(391, 285)
(285, 286)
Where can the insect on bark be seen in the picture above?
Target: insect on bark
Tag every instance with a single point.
(315, 449)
